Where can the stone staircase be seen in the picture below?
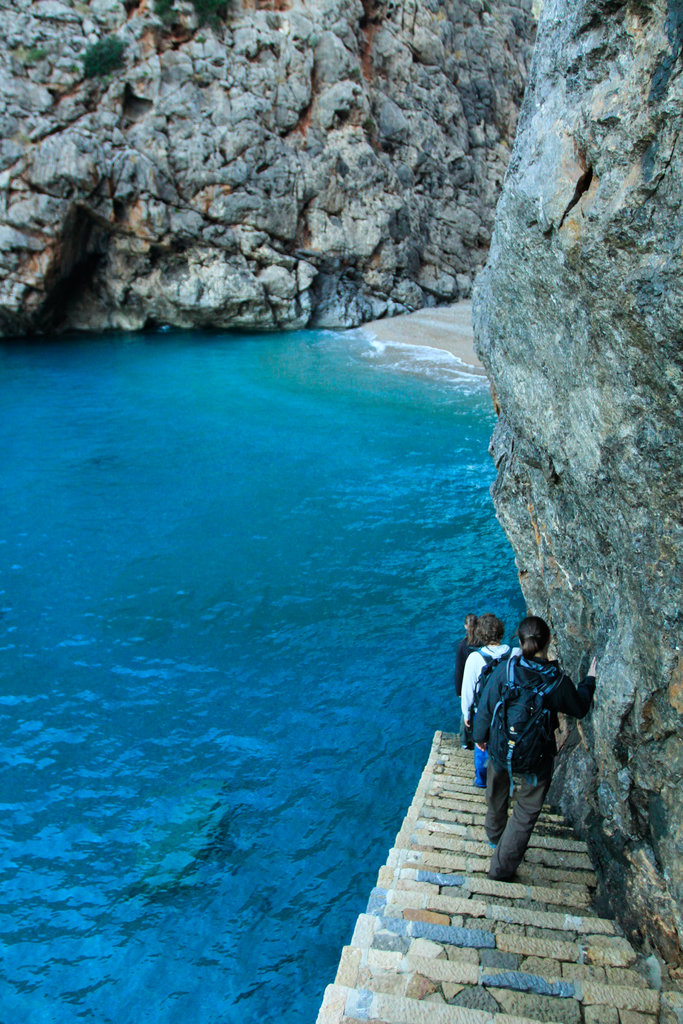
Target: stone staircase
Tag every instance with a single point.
(442, 944)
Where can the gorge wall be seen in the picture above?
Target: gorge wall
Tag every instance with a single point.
(300, 162)
(579, 321)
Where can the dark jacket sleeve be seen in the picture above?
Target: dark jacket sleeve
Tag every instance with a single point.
(574, 700)
(460, 659)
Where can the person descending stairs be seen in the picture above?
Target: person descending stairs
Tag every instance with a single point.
(440, 943)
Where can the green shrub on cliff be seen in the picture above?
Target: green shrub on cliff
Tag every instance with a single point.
(165, 10)
(30, 56)
(103, 57)
(210, 10)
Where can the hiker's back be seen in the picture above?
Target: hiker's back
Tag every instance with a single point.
(524, 718)
(516, 719)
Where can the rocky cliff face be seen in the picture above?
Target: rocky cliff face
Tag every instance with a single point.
(298, 163)
(578, 318)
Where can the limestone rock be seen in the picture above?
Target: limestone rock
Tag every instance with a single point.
(578, 321)
(362, 142)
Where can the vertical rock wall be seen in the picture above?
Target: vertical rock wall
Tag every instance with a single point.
(324, 162)
(579, 321)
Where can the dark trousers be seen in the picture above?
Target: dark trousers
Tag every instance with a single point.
(511, 834)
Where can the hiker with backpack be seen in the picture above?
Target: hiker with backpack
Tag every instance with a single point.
(465, 648)
(488, 634)
(516, 722)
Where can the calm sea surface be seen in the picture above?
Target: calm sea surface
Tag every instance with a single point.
(233, 570)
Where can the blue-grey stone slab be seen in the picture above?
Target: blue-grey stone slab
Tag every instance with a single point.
(377, 903)
(472, 937)
(436, 879)
(358, 1004)
(497, 958)
(522, 982)
(392, 943)
(397, 925)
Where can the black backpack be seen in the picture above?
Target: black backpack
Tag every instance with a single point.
(483, 678)
(521, 726)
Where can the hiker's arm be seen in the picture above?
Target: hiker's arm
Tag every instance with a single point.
(576, 700)
(460, 660)
(482, 722)
(469, 678)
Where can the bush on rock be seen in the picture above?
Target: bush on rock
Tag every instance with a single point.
(103, 57)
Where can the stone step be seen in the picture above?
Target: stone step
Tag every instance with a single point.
(436, 821)
(406, 894)
(343, 1005)
(346, 1004)
(441, 943)
(445, 863)
(595, 950)
(431, 882)
(442, 911)
(478, 834)
(475, 815)
(403, 974)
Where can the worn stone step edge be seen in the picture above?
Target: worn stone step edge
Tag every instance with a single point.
(423, 839)
(432, 881)
(348, 1004)
(383, 960)
(536, 864)
(416, 815)
(424, 781)
(471, 799)
(466, 792)
(425, 897)
(448, 808)
(449, 818)
(466, 819)
(451, 906)
(476, 809)
(454, 828)
(450, 863)
(624, 997)
(595, 950)
(400, 933)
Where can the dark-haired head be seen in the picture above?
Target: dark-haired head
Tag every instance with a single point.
(489, 630)
(534, 635)
(470, 626)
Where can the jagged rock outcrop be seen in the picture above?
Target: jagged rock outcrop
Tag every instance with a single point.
(579, 321)
(302, 162)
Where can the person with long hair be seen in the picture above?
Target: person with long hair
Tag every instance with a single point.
(465, 648)
(488, 637)
(532, 672)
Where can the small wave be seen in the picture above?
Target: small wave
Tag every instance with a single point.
(421, 359)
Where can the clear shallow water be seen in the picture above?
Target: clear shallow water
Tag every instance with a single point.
(232, 573)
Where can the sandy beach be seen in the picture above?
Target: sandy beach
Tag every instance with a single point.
(448, 328)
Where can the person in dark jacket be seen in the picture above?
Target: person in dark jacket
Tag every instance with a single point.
(465, 648)
(510, 837)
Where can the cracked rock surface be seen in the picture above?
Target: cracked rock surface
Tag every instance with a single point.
(578, 319)
(323, 163)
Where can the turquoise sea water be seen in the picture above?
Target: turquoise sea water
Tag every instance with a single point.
(232, 574)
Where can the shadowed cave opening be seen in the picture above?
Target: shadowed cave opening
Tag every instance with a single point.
(81, 250)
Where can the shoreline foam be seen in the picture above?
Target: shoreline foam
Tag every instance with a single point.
(444, 328)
